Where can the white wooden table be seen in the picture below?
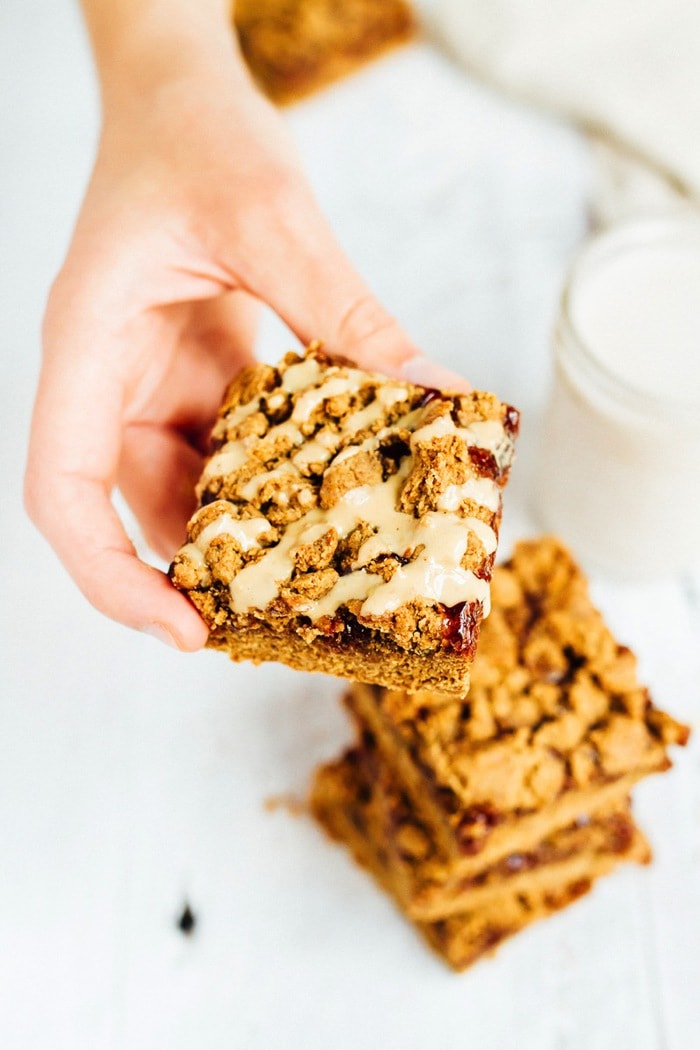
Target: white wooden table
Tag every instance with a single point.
(133, 779)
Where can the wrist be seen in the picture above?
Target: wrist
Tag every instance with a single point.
(142, 46)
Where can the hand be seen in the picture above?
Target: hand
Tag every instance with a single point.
(197, 208)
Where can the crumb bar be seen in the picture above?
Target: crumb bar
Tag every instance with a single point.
(465, 925)
(348, 523)
(427, 884)
(555, 723)
(295, 47)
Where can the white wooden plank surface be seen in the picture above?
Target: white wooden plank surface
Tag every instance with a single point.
(132, 778)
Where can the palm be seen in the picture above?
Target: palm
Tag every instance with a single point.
(186, 354)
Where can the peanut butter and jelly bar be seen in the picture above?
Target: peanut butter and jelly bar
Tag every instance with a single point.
(556, 722)
(295, 47)
(462, 921)
(427, 884)
(348, 523)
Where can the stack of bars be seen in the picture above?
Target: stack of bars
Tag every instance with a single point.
(480, 815)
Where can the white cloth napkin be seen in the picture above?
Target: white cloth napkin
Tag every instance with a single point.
(628, 71)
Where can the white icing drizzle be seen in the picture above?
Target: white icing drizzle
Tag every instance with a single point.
(480, 490)
(487, 537)
(364, 417)
(435, 573)
(314, 532)
(442, 581)
(491, 434)
(246, 532)
(406, 422)
(389, 394)
(488, 434)
(235, 417)
(353, 450)
(252, 487)
(317, 450)
(235, 454)
(439, 427)
(357, 585)
(302, 375)
(374, 440)
(332, 387)
(192, 553)
(283, 430)
(230, 457)
(298, 377)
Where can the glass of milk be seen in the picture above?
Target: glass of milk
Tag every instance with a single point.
(619, 470)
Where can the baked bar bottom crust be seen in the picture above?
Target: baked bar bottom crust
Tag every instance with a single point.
(378, 659)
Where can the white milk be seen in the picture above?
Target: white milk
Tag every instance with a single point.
(619, 471)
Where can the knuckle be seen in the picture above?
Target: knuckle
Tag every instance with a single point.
(99, 570)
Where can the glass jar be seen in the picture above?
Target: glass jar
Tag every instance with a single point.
(618, 475)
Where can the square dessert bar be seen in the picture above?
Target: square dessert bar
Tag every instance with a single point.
(359, 806)
(348, 523)
(295, 47)
(359, 787)
(555, 724)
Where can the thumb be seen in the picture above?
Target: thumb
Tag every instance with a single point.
(312, 285)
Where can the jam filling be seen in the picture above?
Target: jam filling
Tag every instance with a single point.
(511, 420)
(485, 462)
(460, 623)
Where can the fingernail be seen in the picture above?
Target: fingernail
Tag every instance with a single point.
(424, 372)
(159, 631)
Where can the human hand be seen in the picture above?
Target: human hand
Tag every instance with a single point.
(197, 208)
